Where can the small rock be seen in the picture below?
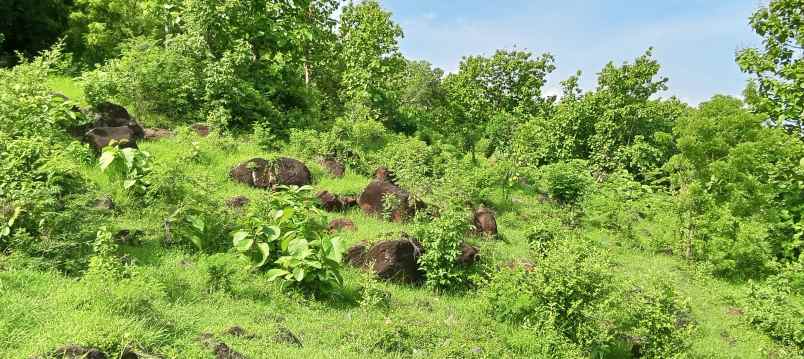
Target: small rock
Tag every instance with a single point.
(238, 331)
(335, 168)
(469, 255)
(103, 204)
(261, 173)
(74, 352)
(485, 222)
(341, 224)
(284, 335)
(128, 237)
(100, 137)
(219, 348)
(201, 129)
(153, 134)
(237, 202)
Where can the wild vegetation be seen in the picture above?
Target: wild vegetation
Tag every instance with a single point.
(249, 178)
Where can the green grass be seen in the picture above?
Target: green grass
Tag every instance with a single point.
(68, 87)
(170, 298)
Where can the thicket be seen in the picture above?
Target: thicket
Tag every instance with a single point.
(721, 184)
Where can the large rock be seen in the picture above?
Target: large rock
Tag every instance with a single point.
(261, 173)
(335, 168)
(396, 260)
(469, 255)
(382, 186)
(334, 203)
(485, 222)
(108, 114)
(101, 137)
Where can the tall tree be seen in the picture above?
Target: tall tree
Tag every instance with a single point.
(29, 26)
(369, 42)
(508, 81)
(777, 90)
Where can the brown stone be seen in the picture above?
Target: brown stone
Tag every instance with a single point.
(341, 224)
(335, 168)
(485, 222)
(383, 185)
(202, 129)
(153, 134)
(261, 173)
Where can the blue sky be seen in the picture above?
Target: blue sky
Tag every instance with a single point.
(694, 40)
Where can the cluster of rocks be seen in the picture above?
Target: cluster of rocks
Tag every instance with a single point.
(334, 203)
(109, 122)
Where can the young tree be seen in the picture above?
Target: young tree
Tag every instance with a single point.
(509, 81)
(370, 55)
(777, 90)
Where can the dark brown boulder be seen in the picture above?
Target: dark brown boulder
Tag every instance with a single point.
(202, 129)
(341, 224)
(335, 168)
(356, 255)
(261, 173)
(485, 222)
(396, 260)
(469, 255)
(334, 203)
(153, 134)
(329, 201)
(107, 114)
(237, 202)
(373, 197)
(101, 137)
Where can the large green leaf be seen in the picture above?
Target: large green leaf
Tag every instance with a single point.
(106, 159)
(275, 273)
(265, 253)
(242, 241)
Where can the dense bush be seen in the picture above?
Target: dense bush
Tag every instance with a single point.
(739, 184)
(566, 182)
(41, 186)
(573, 292)
(770, 309)
(284, 234)
(441, 239)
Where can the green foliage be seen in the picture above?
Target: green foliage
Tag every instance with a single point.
(771, 310)
(572, 292)
(369, 51)
(775, 90)
(284, 234)
(29, 27)
(441, 239)
(127, 164)
(509, 81)
(739, 186)
(566, 182)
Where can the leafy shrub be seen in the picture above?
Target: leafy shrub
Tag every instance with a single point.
(573, 292)
(441, 240)
(127, 164)
(566, 182)
(544, 233)
(771, 310)
(284, 233)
